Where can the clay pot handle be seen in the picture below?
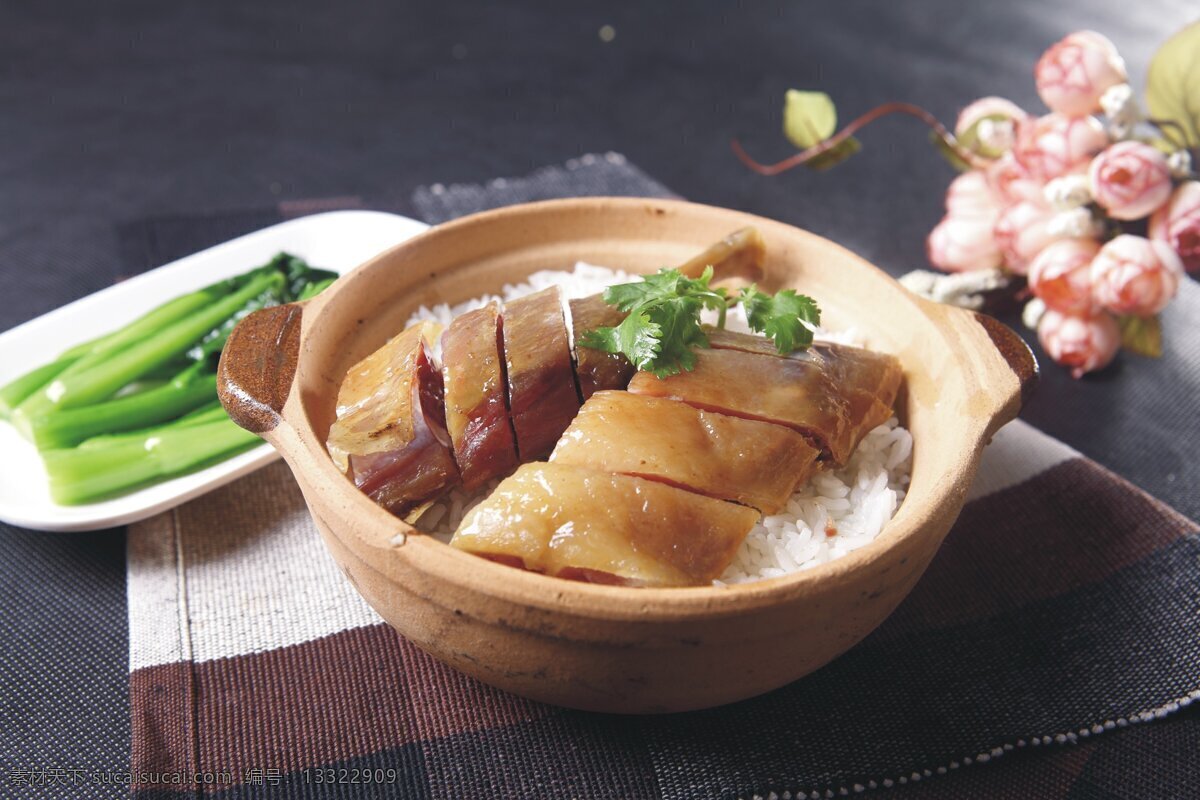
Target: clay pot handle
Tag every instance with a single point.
(997, 363)
(258, 364)
(1015, 352)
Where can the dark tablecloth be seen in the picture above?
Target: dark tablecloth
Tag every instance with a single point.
(121, 112)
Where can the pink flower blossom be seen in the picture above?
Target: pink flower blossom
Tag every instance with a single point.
(1061, 275)
(994, 120)
(1055, 145)
(1012, 181)
(962, 244)
(1133, 275)
(1074, 73)
(970, 195)
(1083, 342)
(1130, 180)
(1021, 231)
(1177, 224)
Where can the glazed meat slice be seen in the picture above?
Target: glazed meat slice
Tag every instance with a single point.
(797, 393)
(389, 436)
(868, 380)
(579, 523)
(753, 463)
(596, 369)
(541, 380)
(477, 397)
(738, 255)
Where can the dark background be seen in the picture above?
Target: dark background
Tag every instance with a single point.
(112, 113)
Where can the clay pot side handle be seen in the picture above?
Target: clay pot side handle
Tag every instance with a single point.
(258, 364)
(1014, 351)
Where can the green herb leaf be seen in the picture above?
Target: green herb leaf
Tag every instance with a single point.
(637, 338)
(834, 155)
(1141, 335)
(1173, 84)
(785, 318)
(949, 153)
(809, 118)
(663, 327)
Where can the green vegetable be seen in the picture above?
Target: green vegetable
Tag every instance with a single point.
(663, 323)
(102, 469)
(19, 390)
(139, 404)
(70, 426)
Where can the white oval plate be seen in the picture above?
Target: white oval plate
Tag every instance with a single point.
(338, 240)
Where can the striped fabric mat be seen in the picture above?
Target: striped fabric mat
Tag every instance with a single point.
(1063, 604)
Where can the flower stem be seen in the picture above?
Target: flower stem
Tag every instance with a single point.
(804, 156)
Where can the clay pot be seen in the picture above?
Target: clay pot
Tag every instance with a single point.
(610, 648)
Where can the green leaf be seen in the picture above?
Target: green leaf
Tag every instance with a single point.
(969, 140)
(834, 155)
(785, 318)
(1173, 86)
(637, 337)
(949, 153)
(1141, 335)
(809, 118)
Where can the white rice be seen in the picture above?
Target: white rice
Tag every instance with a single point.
(835, 512)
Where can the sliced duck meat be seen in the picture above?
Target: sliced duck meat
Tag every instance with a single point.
(389, 436)
(798, 393)
(738, 255)
(583, 524)
(868, 380)
(596, 369)
(541, 379)
(477, 397)
(753, 463)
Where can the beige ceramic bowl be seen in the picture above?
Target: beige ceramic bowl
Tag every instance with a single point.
(601, 647)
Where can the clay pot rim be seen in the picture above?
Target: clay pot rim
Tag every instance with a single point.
(295, 438)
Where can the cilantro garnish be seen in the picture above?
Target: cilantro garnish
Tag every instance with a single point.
(663, 326)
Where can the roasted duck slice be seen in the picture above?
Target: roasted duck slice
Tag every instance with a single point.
(868, 380)
(798, 393)
(389, 436)
(750, 462)
(541, 380)
(597, 369)
(738, 255)
(588, 525)
(477, 397)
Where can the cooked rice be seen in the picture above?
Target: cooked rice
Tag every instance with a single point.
(835, 512)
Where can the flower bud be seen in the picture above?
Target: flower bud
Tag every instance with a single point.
(1133, 275)
(1021, 232)
(1067, 192)
(1074, 73)
(1180, 164)
(1061, 275)
(1083, 342)
(962, 244)
(1054, 145)
(1076, 223)
(1011, 181)
(1177, 224)
(970, 195)
(993, 123)
(1121, 109)
(1130, 180)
